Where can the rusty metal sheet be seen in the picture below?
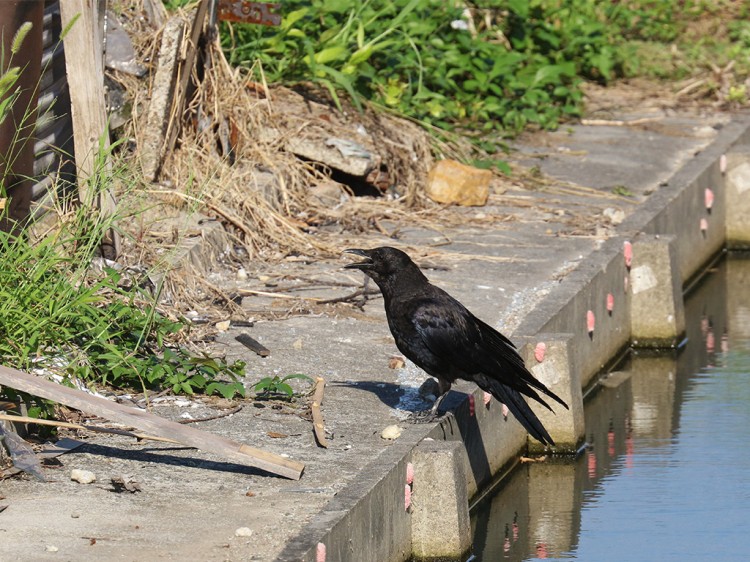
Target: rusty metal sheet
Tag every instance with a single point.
(263, 13)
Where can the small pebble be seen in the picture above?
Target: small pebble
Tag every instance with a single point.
(391, 432)
(241, 274)
(82, 476)
(243, 532)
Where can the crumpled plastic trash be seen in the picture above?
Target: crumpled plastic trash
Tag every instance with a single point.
(21, 454)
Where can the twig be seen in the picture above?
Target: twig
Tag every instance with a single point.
(619, 122)
(247, 292)
(318, 425)
(25, 419)
(253, 345)
(215, 416)
(358, 293)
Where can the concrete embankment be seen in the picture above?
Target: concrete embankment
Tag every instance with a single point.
(570, 286)
(626, 290)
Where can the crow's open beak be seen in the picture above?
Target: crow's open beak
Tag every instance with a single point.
(359, 265)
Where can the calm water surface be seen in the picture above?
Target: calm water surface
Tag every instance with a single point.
(667, 472)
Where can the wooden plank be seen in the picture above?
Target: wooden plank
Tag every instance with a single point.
(185, 72)
(153, 143)
(84, 62)
(149, 423)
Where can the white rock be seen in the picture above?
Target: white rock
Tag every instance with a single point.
(391, 432)
(241, 274)
(82, 476)
(615, 216)
(243, 532)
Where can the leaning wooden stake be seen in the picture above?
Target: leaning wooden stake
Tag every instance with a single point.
(140, 419)
(318, 424)
(84, 61)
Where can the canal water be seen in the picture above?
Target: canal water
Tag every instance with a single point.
(666, 473)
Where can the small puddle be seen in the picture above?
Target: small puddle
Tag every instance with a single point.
(666, 475)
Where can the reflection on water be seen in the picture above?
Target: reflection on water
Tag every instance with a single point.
(667, 472)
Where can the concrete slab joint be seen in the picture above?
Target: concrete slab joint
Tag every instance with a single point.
(554, 367)
(738, 198)
(441, 528)
(657, 310)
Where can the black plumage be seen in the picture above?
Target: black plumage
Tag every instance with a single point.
(442, 337)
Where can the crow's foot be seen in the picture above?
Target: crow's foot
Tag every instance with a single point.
(424, 416)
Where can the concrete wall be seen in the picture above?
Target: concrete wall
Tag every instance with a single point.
(589, 316)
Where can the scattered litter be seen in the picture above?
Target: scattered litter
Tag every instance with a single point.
(223, 326)
(298, 344)
(82, 476)
(21, 453)
(348, 148)
(243, 532)
(391, 432)
(51, 548)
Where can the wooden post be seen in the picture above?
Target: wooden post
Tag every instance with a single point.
(84, 61)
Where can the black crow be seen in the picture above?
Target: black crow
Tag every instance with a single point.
(447, 341)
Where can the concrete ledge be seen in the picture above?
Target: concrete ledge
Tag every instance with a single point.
(440, 506)
(592, 307)
(737, 170)
(657, 316)
(548, 357)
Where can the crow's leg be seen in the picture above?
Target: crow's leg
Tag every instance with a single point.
(427, 416)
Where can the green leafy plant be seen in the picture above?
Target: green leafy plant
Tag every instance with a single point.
(62, 317)
(277, 387)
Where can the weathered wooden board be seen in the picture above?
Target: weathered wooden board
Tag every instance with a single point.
(152, 424)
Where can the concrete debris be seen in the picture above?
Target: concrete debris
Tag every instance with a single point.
(452, 182)
(125, 484)
(391, 432)
(615, 216)
(82, 476)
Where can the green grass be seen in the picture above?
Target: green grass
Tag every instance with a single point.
(521, 63)
(61, 316)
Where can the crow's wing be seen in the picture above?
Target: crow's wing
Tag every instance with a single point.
(463, 343)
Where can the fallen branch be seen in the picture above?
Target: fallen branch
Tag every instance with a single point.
(318, 425)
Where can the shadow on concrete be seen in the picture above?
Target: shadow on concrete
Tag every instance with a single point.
(463, 425)
(160, 455)
(390, 394)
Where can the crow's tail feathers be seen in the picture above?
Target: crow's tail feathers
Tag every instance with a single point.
(517, 406)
